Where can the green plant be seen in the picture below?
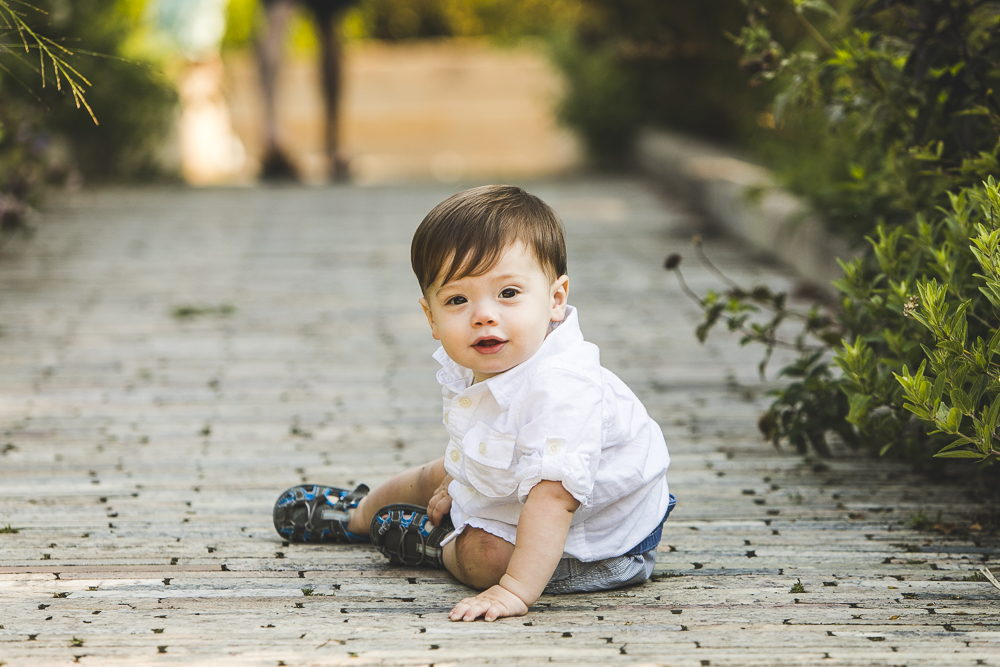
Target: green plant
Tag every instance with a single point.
(50, 54)
(903, 363)
(22, 169)
(131, 95)
(630, 63)
(394, 20)
(44, 138)
(931, 306)
(956, 388)
(8, 530)
(797, 587)
(600, 102)
(190, 312)
(919, 521)
(898, 98)
(811, 404)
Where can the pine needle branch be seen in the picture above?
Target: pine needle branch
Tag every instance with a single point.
(48, 50)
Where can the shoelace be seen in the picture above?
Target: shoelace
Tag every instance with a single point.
(397, 521)
(312, 505)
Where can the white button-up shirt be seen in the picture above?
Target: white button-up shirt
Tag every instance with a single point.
(558, 416)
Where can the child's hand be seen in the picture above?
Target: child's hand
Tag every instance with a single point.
(491, 604)
(440, 503)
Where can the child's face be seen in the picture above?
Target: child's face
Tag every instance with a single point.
(493, 322)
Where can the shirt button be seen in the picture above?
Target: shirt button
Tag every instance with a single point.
(465, 401)
(482, 448)
(553, 448)
(454, 455)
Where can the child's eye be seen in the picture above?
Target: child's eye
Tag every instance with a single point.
(456, 301)
(508, 293)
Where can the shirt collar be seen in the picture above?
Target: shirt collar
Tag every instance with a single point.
(504, 386)
(454, 377)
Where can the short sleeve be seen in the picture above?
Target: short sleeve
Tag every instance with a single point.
(561, 437)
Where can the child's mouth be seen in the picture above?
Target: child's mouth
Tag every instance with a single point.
(489, 345)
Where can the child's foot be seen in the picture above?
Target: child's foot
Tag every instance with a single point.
(314, 513)
(405, 535)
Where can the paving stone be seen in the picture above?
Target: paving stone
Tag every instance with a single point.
(142, 450)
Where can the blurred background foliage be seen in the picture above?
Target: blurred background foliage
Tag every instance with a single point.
(627, 63)
(631, 63)
(397, 20)
(45, 138)
(886, 107)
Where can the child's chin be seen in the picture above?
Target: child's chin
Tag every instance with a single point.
(493, 369)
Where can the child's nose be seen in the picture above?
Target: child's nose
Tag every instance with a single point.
(484, 316)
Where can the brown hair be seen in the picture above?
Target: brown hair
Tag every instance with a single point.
(467, 233)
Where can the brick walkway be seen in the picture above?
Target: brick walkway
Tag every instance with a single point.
(172, 359)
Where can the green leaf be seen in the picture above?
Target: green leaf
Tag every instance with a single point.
(962, 401)
(995, 342)
(994, 298)
(858, 414)
(977, 110)
(961, 372)
(817, 6)
(963, 441)
(938, 389)
(959, 455)
(993, 415)
(954, 420)
(978, 387)
(920, 412)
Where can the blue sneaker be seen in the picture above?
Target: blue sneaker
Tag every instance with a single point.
(405, 535)
(314, 513)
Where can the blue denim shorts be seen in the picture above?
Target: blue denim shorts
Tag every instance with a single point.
(633, 567)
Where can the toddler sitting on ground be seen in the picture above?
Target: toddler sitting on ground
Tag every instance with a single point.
(553, 479)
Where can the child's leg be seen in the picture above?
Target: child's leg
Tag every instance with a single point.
(477, 558)
(414, 486)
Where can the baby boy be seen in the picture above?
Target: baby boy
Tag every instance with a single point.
(553, 479)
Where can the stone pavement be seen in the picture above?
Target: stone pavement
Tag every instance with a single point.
(171, 359)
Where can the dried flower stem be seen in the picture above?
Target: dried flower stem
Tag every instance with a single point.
(985, 571)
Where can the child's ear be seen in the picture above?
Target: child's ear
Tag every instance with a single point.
(560, 295)
(430, 317)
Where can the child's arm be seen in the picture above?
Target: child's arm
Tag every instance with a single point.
(541, 539)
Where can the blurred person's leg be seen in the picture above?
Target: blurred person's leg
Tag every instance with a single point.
(270, 49)
(332, 86)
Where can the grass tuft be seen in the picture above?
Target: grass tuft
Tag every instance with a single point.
(190, 312)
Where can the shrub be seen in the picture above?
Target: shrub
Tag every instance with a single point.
(395, 20)
(888, 106)
(601, 102)
(630, 63)
(908, 91)
(130, 100)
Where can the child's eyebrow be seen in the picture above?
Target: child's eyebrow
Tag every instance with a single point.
(509, 276)
(453, 284)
